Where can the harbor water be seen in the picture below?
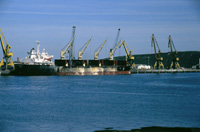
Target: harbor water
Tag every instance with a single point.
(89, 103)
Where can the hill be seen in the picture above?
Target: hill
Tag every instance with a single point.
(187, 59)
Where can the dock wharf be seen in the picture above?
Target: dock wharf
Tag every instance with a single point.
(164, 71)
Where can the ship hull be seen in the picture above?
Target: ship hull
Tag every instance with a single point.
(45, 69)
(37, 70)
(92, 70)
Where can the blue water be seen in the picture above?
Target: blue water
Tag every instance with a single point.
(89, 103)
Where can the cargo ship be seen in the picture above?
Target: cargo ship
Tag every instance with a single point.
(41, 63)
(72, 66)
(37, 63)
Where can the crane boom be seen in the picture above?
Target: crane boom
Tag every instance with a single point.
(80, 53)
(171, 45)
(63, 52)
(71, 51)
(158, 64)
(174, 63)
(96, 53)
(116, 40)
(154, 44)
(6, 52)
(129, 54)
(3, 47)
(112, 51)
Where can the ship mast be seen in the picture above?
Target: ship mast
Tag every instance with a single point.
(38, 47)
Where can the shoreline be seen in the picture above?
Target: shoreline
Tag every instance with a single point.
(155, 129)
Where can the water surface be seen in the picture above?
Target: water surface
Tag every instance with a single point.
(88, 103)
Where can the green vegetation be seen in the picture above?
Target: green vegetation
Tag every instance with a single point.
(187, 59)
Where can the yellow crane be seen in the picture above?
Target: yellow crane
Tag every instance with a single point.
(63, 52)
(129, 54)
(158, 64)
(82, 50)
(174, 63)
(7, 54)
(97, 51)
(112, 51)
(71, 50)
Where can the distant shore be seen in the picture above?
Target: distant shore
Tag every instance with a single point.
(154, 129)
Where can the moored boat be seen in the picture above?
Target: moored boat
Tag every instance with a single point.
(36, 63)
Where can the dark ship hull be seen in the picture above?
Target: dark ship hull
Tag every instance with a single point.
(35, 70)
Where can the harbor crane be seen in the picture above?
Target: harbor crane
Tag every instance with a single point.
(71, 51)
(82, 50)
(112, 51)
(6, 53)
(128, 53)
(97, 51)
(158, 64)
(63, 52)
(175, 59)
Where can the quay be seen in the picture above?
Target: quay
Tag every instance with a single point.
(135, 71)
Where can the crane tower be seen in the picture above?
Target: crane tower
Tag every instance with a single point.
(158, 64)
(6, 53)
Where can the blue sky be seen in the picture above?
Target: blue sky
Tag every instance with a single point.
(50, 21)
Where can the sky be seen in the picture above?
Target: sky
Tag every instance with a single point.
(51, 21)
